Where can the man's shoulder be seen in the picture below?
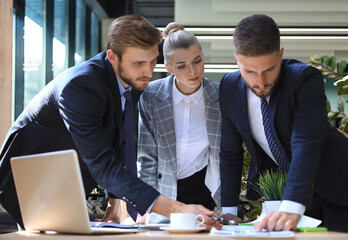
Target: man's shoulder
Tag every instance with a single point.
(293, 66)
(232, 77)
(92, 69)
(95, 74)
(95, 65)
(231, 81)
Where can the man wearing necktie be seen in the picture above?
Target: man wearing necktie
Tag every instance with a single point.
(89, 108)
(278, 109)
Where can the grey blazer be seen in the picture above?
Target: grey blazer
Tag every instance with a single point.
(157, 162)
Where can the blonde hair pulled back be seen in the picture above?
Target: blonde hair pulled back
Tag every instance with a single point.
(176, 37)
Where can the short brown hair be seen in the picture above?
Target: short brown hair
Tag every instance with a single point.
(132, 31)
(256, 35)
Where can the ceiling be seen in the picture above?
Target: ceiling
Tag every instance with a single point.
(158, 12)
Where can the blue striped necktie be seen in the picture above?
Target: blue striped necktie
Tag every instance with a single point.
(278, 156)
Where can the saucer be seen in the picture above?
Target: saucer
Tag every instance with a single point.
(183, 230)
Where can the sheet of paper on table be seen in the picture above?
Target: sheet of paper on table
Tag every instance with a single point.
(123, 226)
(305, 221)
(249, 231)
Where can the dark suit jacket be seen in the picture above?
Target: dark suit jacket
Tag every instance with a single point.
(80, 109)
(317, 152)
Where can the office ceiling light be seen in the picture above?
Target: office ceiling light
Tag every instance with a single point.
(281, 37)
(211, 68)
(283, 30)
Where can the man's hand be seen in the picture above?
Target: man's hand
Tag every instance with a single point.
(112, 212)
(165, 206)
(209, 222)
(230, 216)
(278, 221)
(141, 219)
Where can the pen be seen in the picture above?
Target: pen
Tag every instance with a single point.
(225, 221)
(317, 229)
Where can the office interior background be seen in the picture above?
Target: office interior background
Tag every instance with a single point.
(42, 38)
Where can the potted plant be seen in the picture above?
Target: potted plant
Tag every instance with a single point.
(336, 71)
(270, 185)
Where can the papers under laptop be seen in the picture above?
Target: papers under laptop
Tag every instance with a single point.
(51, 194)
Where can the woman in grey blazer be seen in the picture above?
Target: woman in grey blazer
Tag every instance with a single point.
(179, 127)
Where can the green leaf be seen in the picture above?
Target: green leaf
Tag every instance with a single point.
(342, 91)
(328, 106)
(332, 63)
(315, 59)
(345, 129)
(271, 184)
(341, 83)
(333, 117)
(341, 66)
(340, 104)
(325, 60)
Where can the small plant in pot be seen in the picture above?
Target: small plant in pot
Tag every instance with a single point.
(270, 185)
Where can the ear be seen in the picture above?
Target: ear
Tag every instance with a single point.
(235, 58)
(168, 67)
(281, 52)
(112, 57)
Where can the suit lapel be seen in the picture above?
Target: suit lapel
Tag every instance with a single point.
(115, 91)
(272, 107)
(211, 98)
(241, 104)
(166, 127)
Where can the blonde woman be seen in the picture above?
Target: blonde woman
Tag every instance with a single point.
(179, 131)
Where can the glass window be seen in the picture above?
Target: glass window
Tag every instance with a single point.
(80, 36)
(94, 34)
(60, 38)
(33, 66)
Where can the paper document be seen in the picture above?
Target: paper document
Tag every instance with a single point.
(249, 231)
(112, 225)
(304, 221)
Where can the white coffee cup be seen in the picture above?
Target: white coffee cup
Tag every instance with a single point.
(185, 220)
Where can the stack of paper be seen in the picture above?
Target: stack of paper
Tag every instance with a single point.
(249, 231)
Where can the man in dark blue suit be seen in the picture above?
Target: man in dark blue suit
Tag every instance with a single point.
(277, 108)
(82, 109)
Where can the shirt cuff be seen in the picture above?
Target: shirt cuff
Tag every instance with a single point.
(231, 210)
(149, 209)
(292, 207)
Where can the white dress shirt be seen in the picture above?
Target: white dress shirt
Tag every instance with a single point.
(192, 145)
(256, 123)
(258, 134)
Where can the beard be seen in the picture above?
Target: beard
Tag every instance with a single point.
(128, 80)
(269, 87)
(261, 94)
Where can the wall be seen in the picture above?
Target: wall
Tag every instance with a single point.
(284, 12)
(6, 12)
(298, 14)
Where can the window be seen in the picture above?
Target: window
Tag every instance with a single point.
(40, 53)
(95, 33)
(33, 66)
(60, 38)
(80, 33)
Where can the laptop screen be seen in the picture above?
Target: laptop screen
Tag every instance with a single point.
(50, 192)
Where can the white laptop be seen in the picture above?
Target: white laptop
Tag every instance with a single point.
(51, 194)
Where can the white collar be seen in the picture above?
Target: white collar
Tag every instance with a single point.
(179, 96)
